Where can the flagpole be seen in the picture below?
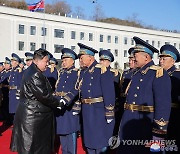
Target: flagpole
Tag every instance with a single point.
(44, 23)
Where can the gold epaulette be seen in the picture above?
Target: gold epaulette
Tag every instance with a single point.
(115, 71)
(158, 69)
(103, 68)
(19, 69)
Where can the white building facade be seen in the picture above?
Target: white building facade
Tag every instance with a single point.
(22, 31)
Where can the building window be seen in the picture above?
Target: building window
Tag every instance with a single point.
(32, 46)
(179, 46)
(132, 41)
(125, 53)
(58, 48)
(159, 44)
(33, 30)
(116, 52)
(100, 49)
(109, 39)
(147, 41)
(43, 31)
(90, 36)
(153, 43)
(175, 45)
(73, 48)
(58, 33)
(125, 40)
(116, 40)
(43, 45)
(167, 42)
(21, 46)
(21, 29)
(126, 65)
(101, 38)
(73, 35)
(116, 65)
(81, 35)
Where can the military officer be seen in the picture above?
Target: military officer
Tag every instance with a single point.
(147, 106)
(1, 96)
(106, 58)
(29, 58)
(51, 72)
(14, 83)
(22, 64)
(98, 99)
(168, 57)
(127, 75)
(67, 123)
(5, 90)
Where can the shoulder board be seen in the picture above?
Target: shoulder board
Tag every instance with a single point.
(103, 68)
(115, 71)
(158, 69)
(19, 69)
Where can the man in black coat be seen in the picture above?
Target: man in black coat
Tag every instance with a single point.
(33, 131)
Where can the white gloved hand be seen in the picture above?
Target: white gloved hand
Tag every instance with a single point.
(74, 113)
(109, 120)
(63, 102)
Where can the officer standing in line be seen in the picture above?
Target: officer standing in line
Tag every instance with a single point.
(5, 90)
(22, 64)
(29, 58)
(148, 102)
(51, 72)
(168, 57)
(67, 123)
(126, 76)
(14, 84)
(106, 58)
(98, 100)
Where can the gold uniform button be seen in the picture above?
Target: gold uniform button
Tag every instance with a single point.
(63, 86)
(67, 76)
(134, 102)
(65, 81)
(135, 95)
(137, 87)
(90, 84)
(141, 80)
(89, 91)
(91, 77)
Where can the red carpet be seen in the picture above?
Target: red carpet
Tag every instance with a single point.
(5, 137)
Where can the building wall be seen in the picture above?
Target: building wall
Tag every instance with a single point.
(11, 18)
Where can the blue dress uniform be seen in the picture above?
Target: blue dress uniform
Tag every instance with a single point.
(147, 107)
(67, 123)
(51, 72)
(14, 84)
(5, 91)
(173, 132)
(98, 99)
(107, 55)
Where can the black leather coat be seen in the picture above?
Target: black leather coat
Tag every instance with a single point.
(33, 131)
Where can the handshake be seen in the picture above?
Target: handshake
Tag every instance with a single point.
(62, 104)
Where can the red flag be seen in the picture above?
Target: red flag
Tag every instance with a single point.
(36, 6)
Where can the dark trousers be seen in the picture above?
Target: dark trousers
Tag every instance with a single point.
(69, 143)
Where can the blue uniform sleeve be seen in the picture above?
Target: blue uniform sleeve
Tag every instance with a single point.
(162, 105)
(108, 90)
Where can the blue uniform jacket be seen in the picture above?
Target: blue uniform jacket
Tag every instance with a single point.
(67, 123)
(150, 86)
(96, 81)
(52, 76)
(15, 78)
